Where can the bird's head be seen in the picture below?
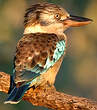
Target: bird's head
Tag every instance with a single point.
(50, 18)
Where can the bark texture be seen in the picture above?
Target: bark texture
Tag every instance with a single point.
(47, 96)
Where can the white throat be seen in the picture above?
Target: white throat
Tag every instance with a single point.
(33, 29)
(53, 28)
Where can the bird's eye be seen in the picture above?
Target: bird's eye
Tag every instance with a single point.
(57, 16)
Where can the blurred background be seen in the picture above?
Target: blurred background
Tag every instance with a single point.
(78, 73)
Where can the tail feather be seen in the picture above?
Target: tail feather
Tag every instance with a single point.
(12, 84)
(16, 94)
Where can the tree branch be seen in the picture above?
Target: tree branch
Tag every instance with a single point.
(48, 97)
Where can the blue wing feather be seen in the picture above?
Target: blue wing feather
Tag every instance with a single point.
(29, 74)
(58, 53)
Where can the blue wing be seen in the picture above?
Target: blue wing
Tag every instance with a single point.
(35, 54)
(30, 74)
(58, 53)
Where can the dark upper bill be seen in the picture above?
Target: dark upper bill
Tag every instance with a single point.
(77, 21)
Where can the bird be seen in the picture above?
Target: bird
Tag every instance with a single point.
(40, 52)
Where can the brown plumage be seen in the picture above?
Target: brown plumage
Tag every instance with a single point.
(34, 49)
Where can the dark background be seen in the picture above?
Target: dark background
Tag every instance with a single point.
(78, 73)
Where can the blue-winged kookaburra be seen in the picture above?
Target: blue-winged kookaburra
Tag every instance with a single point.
(39, 53)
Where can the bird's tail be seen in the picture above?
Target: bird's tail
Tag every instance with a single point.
(16, 94)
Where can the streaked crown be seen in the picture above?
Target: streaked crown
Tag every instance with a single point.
(44, 14)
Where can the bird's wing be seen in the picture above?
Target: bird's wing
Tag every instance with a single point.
(35, 54)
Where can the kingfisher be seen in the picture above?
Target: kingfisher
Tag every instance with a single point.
(40, 52)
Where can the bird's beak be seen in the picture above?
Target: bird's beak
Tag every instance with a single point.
(74, 21)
